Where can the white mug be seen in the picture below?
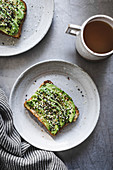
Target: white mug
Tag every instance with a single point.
(81, 46)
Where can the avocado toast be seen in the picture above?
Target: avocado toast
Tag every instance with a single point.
(52, 107)
(12, 15)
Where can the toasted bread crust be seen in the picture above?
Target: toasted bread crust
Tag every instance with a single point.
(33, 112)
(45, 82)
(20, 27)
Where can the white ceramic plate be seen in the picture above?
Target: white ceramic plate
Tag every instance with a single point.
(73, 80)
(38, 20)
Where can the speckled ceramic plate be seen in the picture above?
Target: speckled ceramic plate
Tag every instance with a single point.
(73, 80)
(38, 20)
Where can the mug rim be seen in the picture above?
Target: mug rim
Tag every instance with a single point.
(82, 38)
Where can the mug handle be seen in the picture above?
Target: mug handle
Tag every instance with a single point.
(73, 29)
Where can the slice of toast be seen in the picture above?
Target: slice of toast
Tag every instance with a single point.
(52, 107)
(12, 16)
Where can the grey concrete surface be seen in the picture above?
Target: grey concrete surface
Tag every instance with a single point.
(96, 153)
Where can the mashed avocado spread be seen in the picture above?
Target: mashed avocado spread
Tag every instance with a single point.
(11, 15)
(54, 107)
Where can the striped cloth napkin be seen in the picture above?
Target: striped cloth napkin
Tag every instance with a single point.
(17, 154)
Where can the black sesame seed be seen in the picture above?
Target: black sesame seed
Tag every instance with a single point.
(8, 32)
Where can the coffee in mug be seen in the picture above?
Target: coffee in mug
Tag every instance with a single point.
(94, 38)
(98, 36)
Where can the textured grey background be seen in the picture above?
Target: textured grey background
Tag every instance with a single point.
(96, 153)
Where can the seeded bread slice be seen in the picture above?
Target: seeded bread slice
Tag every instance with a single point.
(12, 16)
(35, 112)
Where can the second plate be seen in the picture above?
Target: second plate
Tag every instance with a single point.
(37, 22)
